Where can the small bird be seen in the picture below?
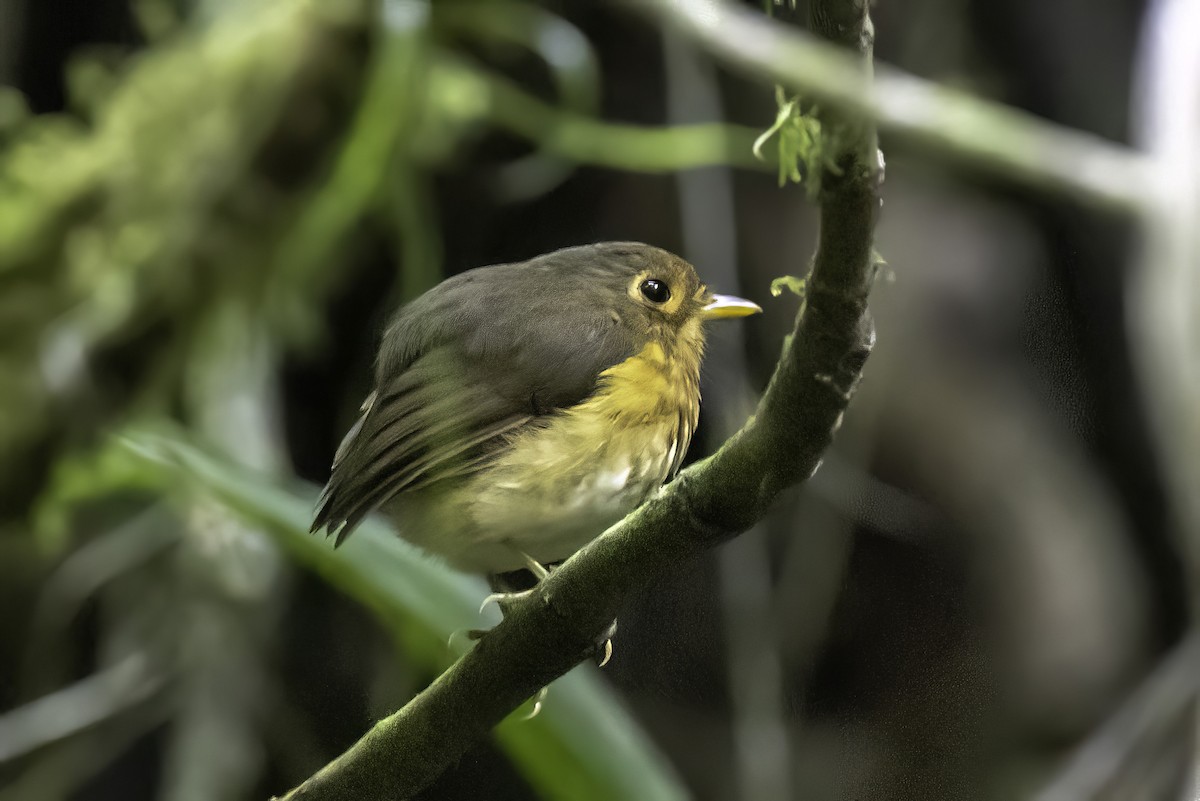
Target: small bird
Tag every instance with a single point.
(521, 409)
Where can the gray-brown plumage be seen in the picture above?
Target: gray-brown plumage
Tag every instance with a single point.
(523, 408)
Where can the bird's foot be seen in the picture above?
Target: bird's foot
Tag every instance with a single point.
(604, 645)
(537, 703)
(504, 596)
(505, 600)
(455, 641)
(535, 567)
(604, 651)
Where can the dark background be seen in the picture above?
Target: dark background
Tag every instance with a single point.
(899, 606)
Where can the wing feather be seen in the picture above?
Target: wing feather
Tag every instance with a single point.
(436, 420)
(470, 362)
(433, 467)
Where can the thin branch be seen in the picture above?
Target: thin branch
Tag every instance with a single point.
(1136, 737)
(1006, 143)
(579, 138)
(1166, 292)
(555, 628)
(65, 713)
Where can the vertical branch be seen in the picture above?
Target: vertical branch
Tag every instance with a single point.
(1166, 292)
(1165, 297)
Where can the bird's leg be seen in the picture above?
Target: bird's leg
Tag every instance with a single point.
(503, 596)
(535, 567)
(506, 597)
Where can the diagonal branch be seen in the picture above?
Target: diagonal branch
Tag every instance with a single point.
(554, 629)
(1139, 750)
(618, 146)
(1005, 142)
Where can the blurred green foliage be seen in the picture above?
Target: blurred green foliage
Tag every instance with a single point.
(581, 746)
(147, 217)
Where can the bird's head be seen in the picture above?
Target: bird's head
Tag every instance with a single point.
(658, 297)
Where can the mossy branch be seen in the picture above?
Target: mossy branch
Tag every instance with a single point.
(554, 629)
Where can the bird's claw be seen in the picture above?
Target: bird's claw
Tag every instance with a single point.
(608, 651)
(604, 644)
(503, 599)
(537, 703)
(459, 634)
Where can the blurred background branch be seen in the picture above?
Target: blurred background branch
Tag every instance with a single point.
(708, 229)
(1166, 287)
(953, 124)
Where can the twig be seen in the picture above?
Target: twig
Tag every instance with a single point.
(579, 138)
(711, 502)
(1148, 715)
(1007, 143)
(62, 714)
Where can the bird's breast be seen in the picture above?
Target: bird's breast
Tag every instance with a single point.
(560, 484)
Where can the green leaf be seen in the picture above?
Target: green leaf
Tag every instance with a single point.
(82, 477)
(782, 119)
(797, 286)
(800, 143)
(583, 746)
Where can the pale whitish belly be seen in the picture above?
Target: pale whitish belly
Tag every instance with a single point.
(552, 509)
(485, 525)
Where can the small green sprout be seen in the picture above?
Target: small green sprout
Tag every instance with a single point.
(800, 142)
(797, 286)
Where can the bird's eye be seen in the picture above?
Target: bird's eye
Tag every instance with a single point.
(655, 291)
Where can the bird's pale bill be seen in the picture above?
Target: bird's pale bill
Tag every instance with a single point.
(722, 306)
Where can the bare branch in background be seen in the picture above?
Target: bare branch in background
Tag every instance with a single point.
(1007, 143)
(708, 222)
(586, 140)
(103, 695)
(1165, 298)
(1139, 752)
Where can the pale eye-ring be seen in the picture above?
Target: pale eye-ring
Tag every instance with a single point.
(655, 291)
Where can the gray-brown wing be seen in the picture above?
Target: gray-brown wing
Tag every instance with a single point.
(471, 361)
(435, 420)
